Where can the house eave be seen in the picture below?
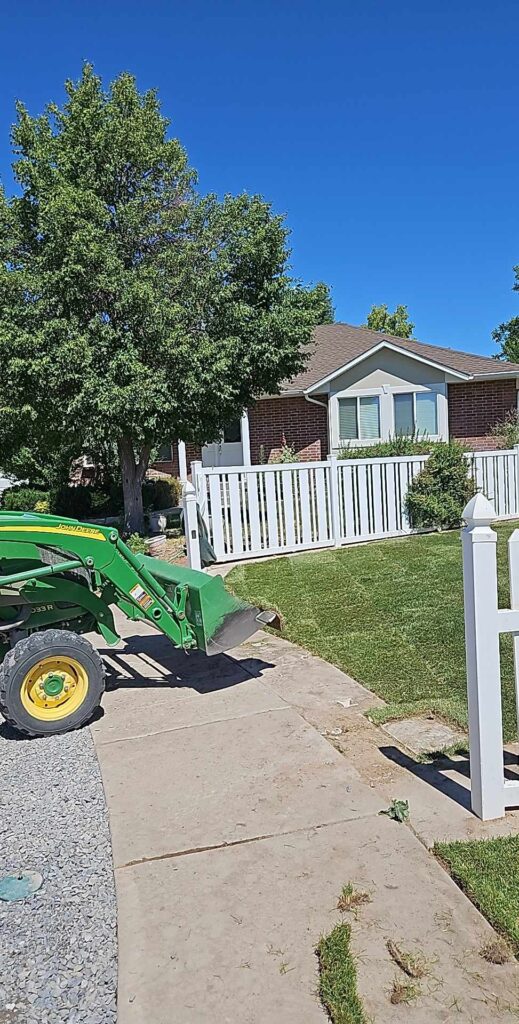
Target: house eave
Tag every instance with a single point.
(392, 348)
(505, 375)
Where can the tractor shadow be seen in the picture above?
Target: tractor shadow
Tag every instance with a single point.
(146, 661)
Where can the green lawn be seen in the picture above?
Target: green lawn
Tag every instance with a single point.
(487, 871)
(389, 613)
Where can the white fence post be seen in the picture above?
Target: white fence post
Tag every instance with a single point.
(483, 665)
(191, 525)
(516, 468)
(335, 511)
(200, 484)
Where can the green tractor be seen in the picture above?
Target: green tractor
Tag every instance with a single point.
(59, 579)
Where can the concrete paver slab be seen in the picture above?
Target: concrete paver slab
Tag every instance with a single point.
(424, 735)
(230, 935)
(224, 782)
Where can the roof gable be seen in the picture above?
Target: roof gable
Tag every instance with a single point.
(335, 347)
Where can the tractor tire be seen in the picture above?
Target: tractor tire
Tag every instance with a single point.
(50, 682)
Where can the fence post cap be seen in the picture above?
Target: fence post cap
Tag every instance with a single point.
(479, 511)
(187, 489)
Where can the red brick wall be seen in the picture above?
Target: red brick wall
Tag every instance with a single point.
(193, 454)
(292, 421)
(474, 408)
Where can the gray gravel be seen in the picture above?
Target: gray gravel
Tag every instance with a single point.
(58, 948)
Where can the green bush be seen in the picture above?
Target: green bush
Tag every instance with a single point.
(438, 495)
(162, 492)
(506, 432)
(285, 454)
(401, 444)
(23, 499)
(137, 544)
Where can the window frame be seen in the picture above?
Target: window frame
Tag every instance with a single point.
(414, 392)
(357, 399)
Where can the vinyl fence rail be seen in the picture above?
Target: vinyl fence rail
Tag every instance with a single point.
(251, 511)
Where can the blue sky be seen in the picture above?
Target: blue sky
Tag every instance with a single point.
(387, 132)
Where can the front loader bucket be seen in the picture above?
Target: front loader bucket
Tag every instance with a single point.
(220, 620)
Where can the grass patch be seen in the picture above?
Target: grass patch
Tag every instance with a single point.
(404, 992)
(390, 614)
(338, 978)
(412, 964)
(351, 898)
(488, 872)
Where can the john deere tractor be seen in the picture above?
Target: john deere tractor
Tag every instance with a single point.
(59, 579)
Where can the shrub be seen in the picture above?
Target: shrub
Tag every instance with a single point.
(72, 501)
(137, 544)
(285, 454)
(506, 432)
(162, 492)
(438, 495)
(401, 444)
(23, 499)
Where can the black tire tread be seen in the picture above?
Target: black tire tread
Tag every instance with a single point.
(37, 643)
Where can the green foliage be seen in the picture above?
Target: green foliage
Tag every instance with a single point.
(285, 454)
(396, 323)
(137, 544)
(23, 499)
(132, 308)
(438, 495)
(398, 810)
(506, 432)
(507, 336)
(338, 977)
(401, 444)
(161, 493)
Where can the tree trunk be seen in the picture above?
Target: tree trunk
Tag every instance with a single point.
(133, 473)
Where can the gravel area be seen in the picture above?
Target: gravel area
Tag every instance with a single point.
(59, 946)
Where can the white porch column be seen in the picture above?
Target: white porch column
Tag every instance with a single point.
(245, 438)
(483, 665)
(182, 460)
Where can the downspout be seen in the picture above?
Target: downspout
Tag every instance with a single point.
(323, 405)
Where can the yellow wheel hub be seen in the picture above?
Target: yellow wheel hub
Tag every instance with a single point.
(54, 688)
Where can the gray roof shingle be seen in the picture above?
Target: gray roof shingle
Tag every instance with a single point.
(335, 345)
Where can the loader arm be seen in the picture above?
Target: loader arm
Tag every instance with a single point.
(189, 607)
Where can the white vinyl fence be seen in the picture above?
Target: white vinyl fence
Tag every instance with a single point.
(273, 509)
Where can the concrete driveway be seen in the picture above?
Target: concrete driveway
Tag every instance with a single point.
(235, 824)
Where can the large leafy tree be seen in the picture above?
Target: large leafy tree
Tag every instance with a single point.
(133, 309)
(396, 323)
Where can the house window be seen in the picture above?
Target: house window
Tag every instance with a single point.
(416, 412)
(359, 418)
(232, 432)
(164, 453)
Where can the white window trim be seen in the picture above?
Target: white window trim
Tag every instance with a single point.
(360, 442)
(386, 412)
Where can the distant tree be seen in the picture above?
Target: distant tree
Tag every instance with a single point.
(132, 309)
(507, 336)
(396, 323)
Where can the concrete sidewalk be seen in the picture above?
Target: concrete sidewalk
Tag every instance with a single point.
(235, 824)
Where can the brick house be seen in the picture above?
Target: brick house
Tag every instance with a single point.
(359, 387)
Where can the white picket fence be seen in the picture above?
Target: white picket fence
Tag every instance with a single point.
(267, 510)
